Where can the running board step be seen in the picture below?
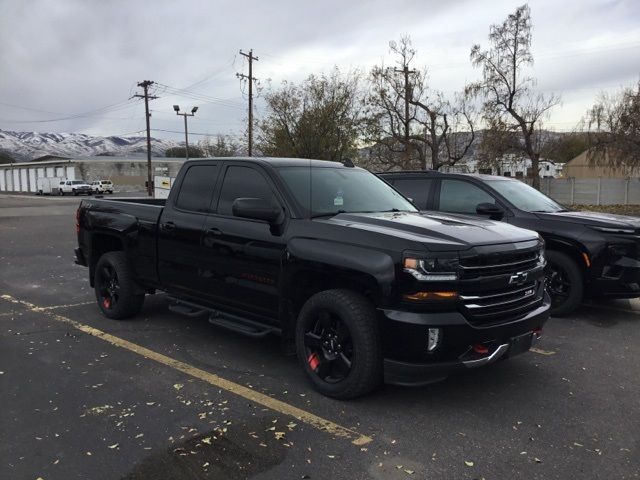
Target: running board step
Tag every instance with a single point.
(187, 310)
(240, 324)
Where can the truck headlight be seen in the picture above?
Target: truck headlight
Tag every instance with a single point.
(542, 260)
(432, 269)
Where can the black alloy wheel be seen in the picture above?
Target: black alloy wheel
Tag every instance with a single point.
(108, 287)
(117, 294)
(338, 343)
(564, 283)
(329, 347)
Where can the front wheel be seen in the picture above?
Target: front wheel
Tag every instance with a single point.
(117, 294)
(564, 283)
(338, 344)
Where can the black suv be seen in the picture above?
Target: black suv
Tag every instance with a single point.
(588, 254)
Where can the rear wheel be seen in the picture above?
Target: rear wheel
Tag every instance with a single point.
(564, 283)
(116, 291)
(338, 344)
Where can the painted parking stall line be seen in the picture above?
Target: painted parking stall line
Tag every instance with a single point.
(248, 393)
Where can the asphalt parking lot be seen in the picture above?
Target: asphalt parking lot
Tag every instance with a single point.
(170, 397)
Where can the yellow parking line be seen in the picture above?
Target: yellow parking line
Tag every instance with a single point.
(542, 352)
(219, 382)
(55, 307)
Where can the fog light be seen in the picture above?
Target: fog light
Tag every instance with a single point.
(434, 339)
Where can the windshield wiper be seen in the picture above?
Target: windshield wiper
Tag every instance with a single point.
(550, 211)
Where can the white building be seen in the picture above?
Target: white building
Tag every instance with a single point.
(508, 166)
(128, 174)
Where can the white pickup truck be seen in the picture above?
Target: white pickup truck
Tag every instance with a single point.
(77, 187)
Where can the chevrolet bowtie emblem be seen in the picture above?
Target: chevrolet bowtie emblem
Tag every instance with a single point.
(518, 278)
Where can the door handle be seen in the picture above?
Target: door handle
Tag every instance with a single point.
(168, 226)
(213, 231)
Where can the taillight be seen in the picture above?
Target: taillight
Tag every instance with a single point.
(78, 220)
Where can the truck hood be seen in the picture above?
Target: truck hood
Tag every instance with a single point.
(439, 231)
(594, 219)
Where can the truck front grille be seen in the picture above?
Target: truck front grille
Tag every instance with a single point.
(498, 264)
(498, 287)
(502, 305)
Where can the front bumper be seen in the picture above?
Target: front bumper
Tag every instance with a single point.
(407, 361)
(619, 280)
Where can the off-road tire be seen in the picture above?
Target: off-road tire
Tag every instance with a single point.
(359, 316)
(130, 299)
(575, 279)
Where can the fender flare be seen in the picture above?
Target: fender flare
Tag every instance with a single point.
(377, 264)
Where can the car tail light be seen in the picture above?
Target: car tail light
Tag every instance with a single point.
(78, 220)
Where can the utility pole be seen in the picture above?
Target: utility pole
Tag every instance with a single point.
(145, 87)
(250, 78)
(407, 96)
(186, 131)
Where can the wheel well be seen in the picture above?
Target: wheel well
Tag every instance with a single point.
(307, 283)
(101, 244)
(572, 251)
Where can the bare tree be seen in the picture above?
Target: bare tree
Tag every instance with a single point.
(415, 124)
(509, 100)
(613, 128)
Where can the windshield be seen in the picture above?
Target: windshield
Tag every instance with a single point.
(340, 190)
(525, 197)
(77, 182)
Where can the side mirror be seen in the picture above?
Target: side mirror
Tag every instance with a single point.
(256, 209)
(492, 210)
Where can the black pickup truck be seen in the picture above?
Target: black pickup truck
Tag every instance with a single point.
(329, 256)
(589, 254)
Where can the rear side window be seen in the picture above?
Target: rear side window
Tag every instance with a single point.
(458, 196)
(417, 189)
(197, 188)
(243, 182)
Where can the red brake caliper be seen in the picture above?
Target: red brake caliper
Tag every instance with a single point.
(314, 361)
(107, 303)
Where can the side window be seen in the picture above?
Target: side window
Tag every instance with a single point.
(458, 196)
(416, 189)
(197, 188)
(243, 182)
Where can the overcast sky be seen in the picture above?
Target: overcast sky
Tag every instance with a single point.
(62, 58)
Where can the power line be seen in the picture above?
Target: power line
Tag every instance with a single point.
(177, 131)
(90, 113)
(216, 73)
(173, 91)
(251, 79)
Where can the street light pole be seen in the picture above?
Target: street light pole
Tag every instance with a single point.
(186, 130)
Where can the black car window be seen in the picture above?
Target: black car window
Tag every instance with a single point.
(197, 188)
(458, 196)
(417, 189)
(243, 182)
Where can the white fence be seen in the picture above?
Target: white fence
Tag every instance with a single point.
(592, 191)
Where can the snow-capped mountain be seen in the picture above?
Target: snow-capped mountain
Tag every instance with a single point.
(25, 146)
